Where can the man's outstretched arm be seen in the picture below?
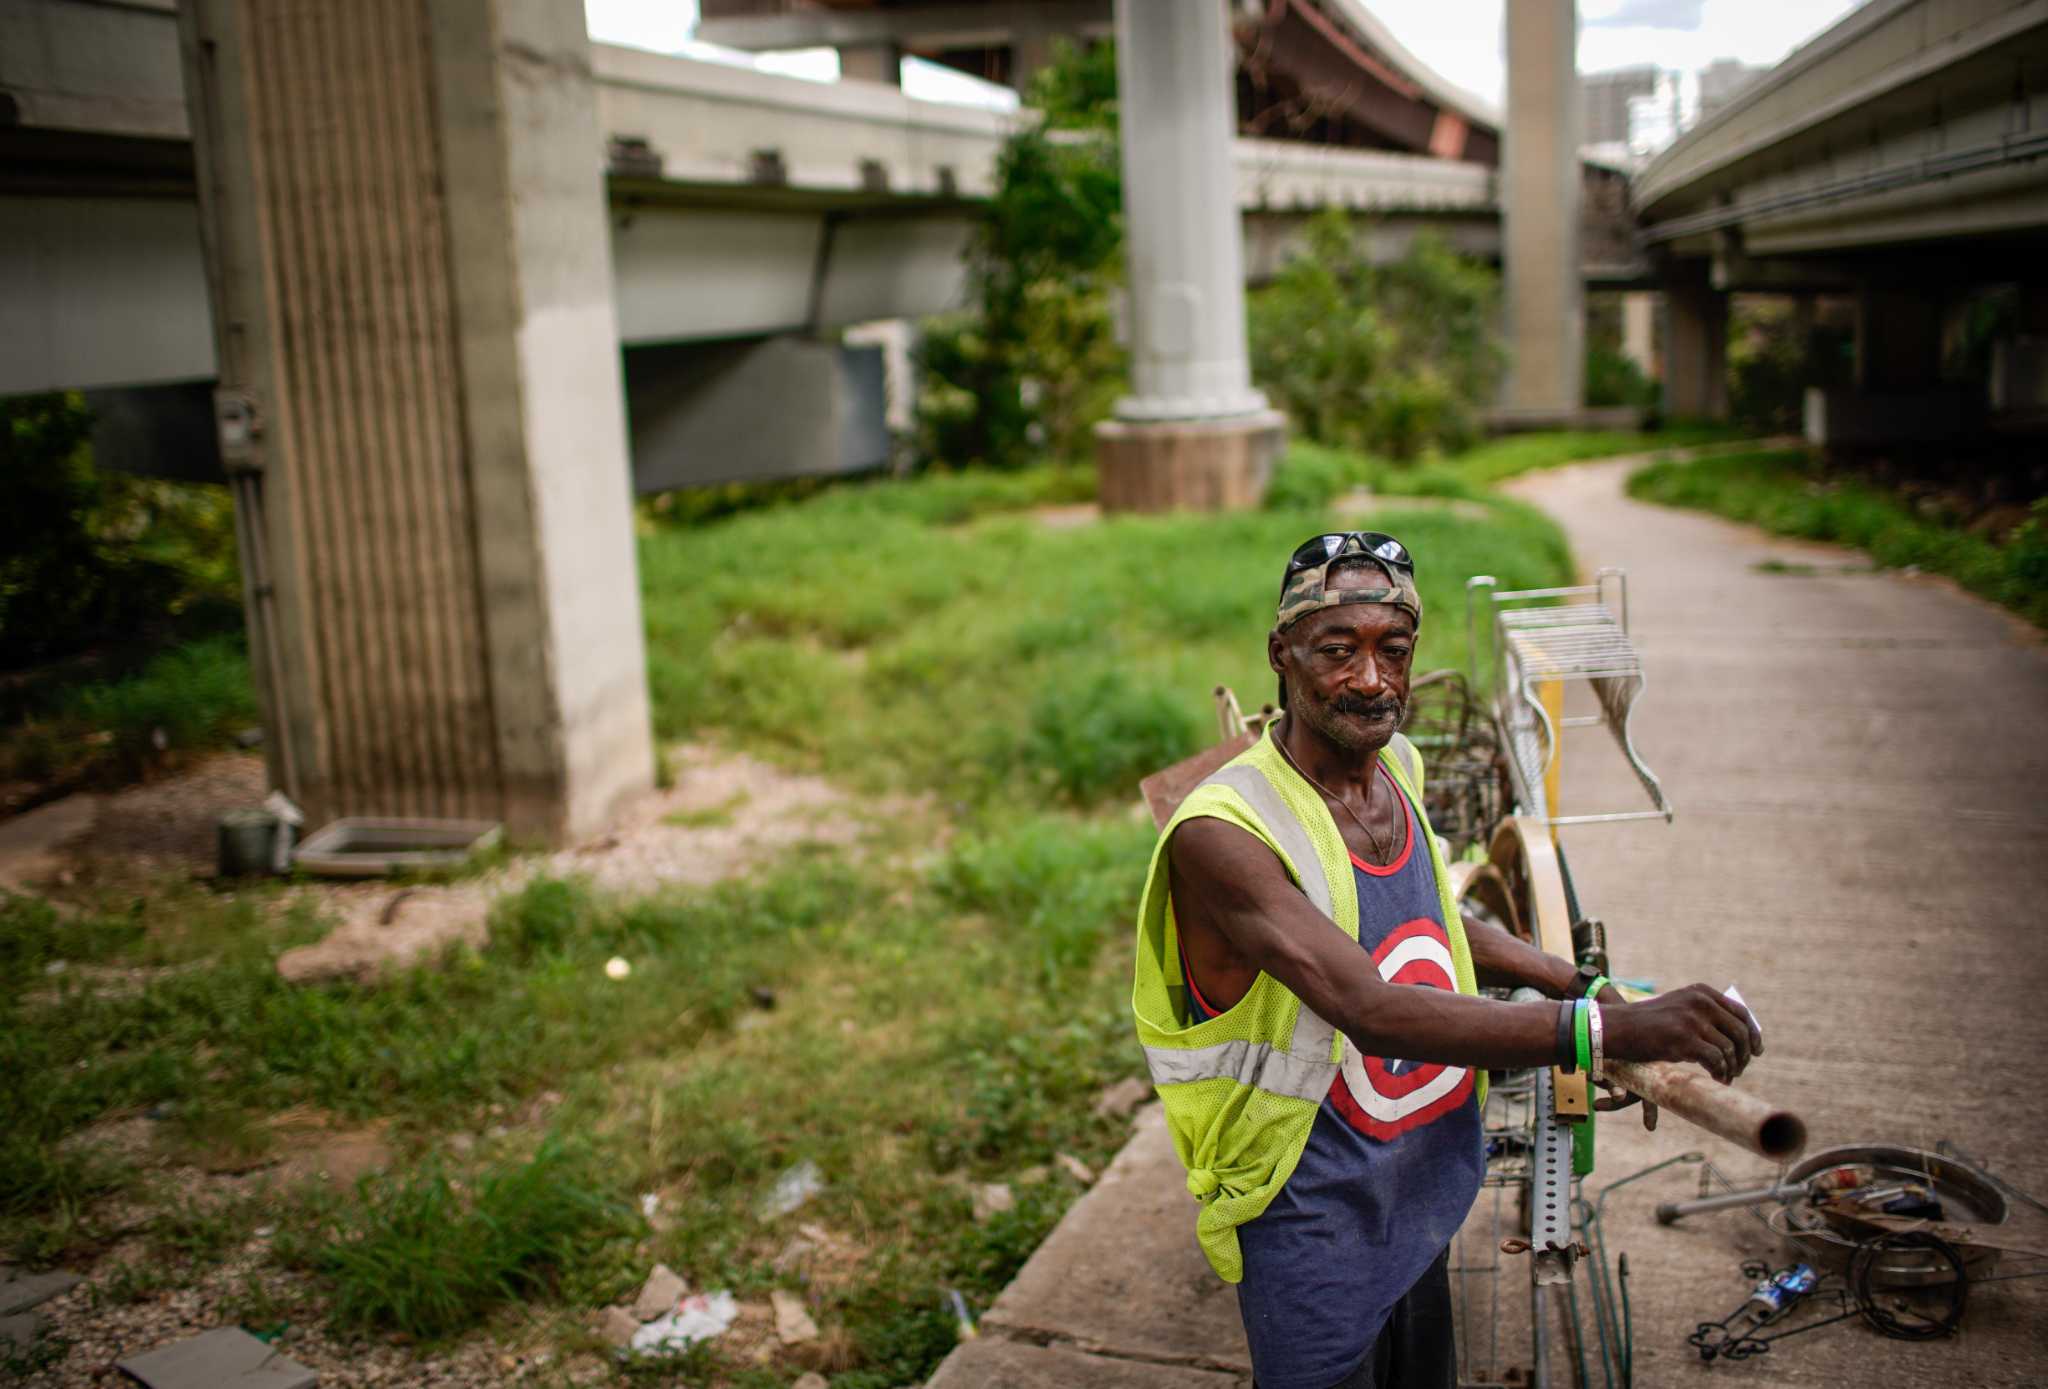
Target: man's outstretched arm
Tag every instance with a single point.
(1225, 879)
(1505, 961)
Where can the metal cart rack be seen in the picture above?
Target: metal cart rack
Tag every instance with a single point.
(1538, 1124)
(1543, 638)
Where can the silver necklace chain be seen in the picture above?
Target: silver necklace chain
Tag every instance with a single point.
(1385, 852)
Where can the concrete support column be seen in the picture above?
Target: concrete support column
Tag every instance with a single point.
(872, 62)
(1193, 431)
(1639, 330)
(410, 265)
(1695, 345)
(1030, 52)
(1545, 309)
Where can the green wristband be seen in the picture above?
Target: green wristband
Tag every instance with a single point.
(1582, 1033)
(1600, 982)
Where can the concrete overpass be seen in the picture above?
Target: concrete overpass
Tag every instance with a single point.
(424, 229)
(1898, 158)
(752, 216)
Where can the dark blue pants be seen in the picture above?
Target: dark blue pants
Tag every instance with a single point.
(1416, 1348)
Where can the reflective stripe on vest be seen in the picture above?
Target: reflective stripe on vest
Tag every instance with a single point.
(1307, 1068)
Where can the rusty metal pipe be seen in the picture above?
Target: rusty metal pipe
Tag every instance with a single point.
(1696, 1097)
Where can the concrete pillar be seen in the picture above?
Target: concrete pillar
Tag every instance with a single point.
(1544, 310)
(1193, 431)
(407, 246)
(1639, 330)
(1695, 345)
(872, 62)
(1030, 51)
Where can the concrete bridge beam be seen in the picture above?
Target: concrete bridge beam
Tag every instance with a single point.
(421, 404)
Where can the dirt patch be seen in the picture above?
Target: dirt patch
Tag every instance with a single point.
(315, 1153)
(726, 814)
(169, 824)
(390, 929)
(31, 845)
(1066, 518)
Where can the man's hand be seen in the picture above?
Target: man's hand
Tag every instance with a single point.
(1617, 1098)
(1694, 1023)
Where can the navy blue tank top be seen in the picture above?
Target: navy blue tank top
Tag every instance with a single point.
(1391, 1169)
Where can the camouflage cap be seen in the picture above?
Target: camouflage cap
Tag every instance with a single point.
(1305, 590)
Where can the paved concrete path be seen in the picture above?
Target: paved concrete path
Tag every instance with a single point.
(1858, 763)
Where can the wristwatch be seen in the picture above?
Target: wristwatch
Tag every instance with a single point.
(1582, 979)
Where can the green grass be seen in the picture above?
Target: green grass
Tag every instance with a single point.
(1784, 493)
(187, 699)
(428, 1255)
(708, 817)
(949, 997)
(1514, 454)
(1311, 475)
(903, 645)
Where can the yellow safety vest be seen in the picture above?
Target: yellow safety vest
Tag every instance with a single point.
(1241, 1090)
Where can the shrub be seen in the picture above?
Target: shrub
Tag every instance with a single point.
(1613, 378)
(1396, 359)
(87, 556)
(1308, 478)
(1065, 884)
(188, 698)
(1099, 735)
(1035, 364)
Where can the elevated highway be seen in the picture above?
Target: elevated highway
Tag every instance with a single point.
(744, 204)
(744, 207)
(1897, 157)
(425, 228)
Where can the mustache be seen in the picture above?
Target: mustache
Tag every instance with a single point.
(1385, 707)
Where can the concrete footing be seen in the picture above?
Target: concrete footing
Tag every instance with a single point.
(1191, 465)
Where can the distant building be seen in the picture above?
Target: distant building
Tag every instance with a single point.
(1721, 81)
(1605, 97)
(1653, 121)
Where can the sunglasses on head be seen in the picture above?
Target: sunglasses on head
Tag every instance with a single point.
(1319, 550)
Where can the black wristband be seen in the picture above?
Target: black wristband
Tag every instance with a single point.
(1567, 1043)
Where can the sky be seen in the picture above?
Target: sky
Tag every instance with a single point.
(1461, 39)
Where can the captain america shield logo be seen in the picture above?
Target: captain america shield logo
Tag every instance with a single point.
(1385, 1099)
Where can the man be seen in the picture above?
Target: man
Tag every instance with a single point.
(1304, 991)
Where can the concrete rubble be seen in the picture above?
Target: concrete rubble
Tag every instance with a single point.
(991, 1200)
(1075, 1168)
(21, 1290)
(616, 1327)
(793, 1324)
(18, 1333)
(226, 1355)
(659, 1294)
(1120, 1099)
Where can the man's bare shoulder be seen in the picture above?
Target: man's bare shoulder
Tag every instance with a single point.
(1208, 851)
